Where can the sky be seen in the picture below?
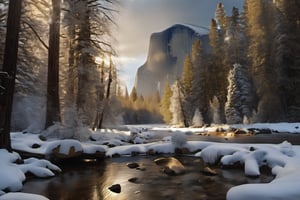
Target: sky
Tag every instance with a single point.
(137, 19)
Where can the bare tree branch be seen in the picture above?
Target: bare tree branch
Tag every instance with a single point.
(36, 34)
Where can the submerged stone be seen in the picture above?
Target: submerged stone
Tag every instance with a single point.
(115, 188)
(171, 165)
(132, 165)
(209, 171)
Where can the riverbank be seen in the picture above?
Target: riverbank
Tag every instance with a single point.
(279, 151)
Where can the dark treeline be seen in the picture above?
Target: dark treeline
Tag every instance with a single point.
(251, 74)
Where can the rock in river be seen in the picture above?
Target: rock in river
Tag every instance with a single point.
(115, 188)
(171, 165)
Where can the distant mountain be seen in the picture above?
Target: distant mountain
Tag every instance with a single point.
(167, 51)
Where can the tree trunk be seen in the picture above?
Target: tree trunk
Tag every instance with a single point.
(106, 96)
(53, 108)
(7, 78)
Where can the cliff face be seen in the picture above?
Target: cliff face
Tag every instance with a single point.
(167, 51)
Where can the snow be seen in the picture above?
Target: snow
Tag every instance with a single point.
(22, 196)
(198, 29)
(13, 175)
(283, 159)
(282, 127)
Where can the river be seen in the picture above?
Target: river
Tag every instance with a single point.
(91, 180)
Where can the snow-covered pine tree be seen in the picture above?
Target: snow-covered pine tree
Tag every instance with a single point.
(215, 110)
(176, 105)
(240, 97)
(197, 119)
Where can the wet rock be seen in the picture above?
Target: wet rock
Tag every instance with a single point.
(35, 146)
(171, 165)
(209, 171)
(134, 180)
(115, 188)
(251, 149)
(240, 132)
(116, 155)
(260, 131)
(111, 145)
(168, 171)
(92, 139)
(43, 138)
(135, 153)
(151, 152)
(141, 168)
(132, 165)
(182, 151)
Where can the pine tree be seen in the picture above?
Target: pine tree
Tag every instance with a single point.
(221, 17)
(215, 110)
(197, 119)
(166, 102)
(126, 93)
(53, 106)
(288, 56)
(187, 75)
(260, 31)
(8, 73)
(199, 97)
(234, 40)
(240, 98)
(133, 95)
(176, 107)
(217, 69)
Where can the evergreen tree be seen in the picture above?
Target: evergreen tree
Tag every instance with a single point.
(187, 75)
(217, 69)
(288, 56)
(234, 40)
(199, 97)
(8, 71)
(133, 95)
(176, 107)
(215, 110)
(260, 31)
(53, 106)
(126, 93)
(240, 96)
(221, 18)
(166, 102)
(197, 119)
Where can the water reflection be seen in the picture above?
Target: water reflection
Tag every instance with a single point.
(90, 181)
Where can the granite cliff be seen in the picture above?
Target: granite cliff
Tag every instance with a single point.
(166, 54)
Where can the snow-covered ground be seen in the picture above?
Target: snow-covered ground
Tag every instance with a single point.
(283, 159)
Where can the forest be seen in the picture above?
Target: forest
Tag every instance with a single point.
(57, 69)
(56, 64)
(251, 73)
